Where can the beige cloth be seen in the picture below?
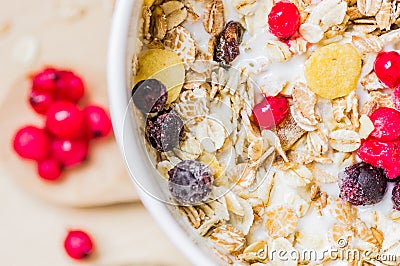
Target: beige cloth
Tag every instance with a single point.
(72, 34)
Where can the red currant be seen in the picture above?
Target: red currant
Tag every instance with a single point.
(271, 111)
(31, 142)
(78, 244)
(65, 120)
(284, 20)
(70, 152)
(70, 87)
(49, 169)
(40, 101)
(387, 124)
(45, 81)
(387, 68)
(98, 123)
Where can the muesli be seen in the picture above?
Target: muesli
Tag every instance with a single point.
(277, 125)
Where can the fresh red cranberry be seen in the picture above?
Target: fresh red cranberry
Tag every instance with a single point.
(65, 120)
(387, 68)
(40, 101)
(78, 244)
(31, 142)
(271, 111)
(45, 81)
(49, 169)
(284, 20)
(70, 152)
(98, 123)
(380, 154)
(70, 87)
(387, 124)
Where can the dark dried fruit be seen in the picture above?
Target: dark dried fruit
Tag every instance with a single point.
(396, 196)
(190, 182)
(227, 48)
(362, 184)
(149, 95)
(164, 130)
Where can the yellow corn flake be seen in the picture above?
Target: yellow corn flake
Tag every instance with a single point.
(165, 66)
(333, 70)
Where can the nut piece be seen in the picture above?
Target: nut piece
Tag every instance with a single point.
(214, 19)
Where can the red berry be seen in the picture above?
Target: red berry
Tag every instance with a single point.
(49, 169)
(65, 120)
(284, 20)
(45, 81)
(78, 244)
(387, 124)
(40, 101)
(385, 155)
(31, 142)
(70, 87)
(271, 111)
(98, 123)
(387, 68)
(70, 152)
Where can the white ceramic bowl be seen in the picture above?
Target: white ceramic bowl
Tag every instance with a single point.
(123, 44)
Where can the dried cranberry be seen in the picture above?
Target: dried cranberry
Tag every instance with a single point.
(284, 20)
(385, 155)
(190, 182)
(387, 68)
(362, 184)
(227, 47)
(149, 96)
(271, 111)
(387, 124)
(164, 130)
(396, 196)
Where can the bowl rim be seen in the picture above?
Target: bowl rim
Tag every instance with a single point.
(118, 100)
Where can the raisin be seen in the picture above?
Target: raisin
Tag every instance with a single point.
(227, 47)
(164, 130)
(190, 182)
(149, 96)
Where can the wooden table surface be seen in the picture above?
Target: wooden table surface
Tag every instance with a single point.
(68, 33)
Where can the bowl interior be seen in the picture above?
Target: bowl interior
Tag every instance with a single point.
(128, 128)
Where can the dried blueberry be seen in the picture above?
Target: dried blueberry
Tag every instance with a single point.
(227, 47)
(396, 196)
(362, 184)
(149, 95)
(164, 130)
(190, 182)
